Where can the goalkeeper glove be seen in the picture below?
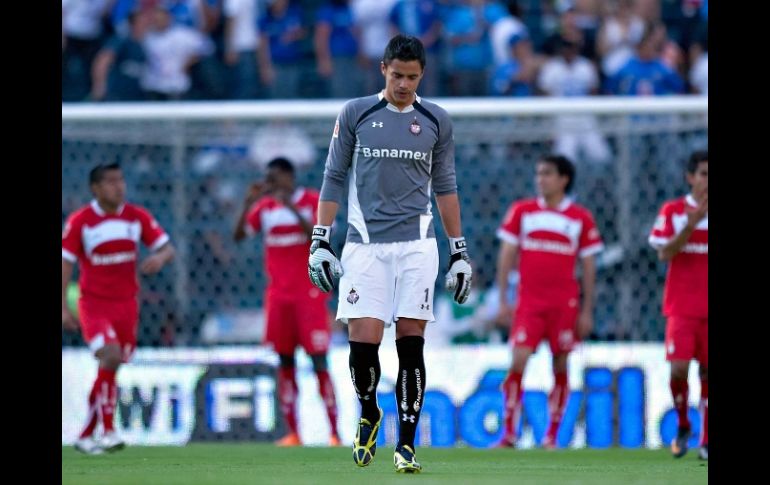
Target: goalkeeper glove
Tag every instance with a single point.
(458, 278)
(323, 265)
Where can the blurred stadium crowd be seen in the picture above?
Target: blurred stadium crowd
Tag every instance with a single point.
(131, 50)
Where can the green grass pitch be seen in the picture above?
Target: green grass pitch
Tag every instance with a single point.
(225, 464)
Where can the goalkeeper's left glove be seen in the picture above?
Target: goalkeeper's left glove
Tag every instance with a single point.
(458, 278)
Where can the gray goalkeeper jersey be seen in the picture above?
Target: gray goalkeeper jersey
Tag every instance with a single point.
(394, 157)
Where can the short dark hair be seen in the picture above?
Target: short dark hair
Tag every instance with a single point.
(650, 30)
(97, 173)
(281, 163)
(695, 159)
(564, 166)
(404, 48)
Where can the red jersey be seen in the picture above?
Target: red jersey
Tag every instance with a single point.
(549, 241)
(687, 282)
(106, 245)
(287, 246)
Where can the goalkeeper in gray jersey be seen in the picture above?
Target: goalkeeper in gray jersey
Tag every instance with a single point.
(395, 149)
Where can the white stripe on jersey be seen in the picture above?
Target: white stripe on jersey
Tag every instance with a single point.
(355, 214)
(110, 230)
(162, 239)
(283, 216)
(680, 220)
(552, 222)
(68, 256)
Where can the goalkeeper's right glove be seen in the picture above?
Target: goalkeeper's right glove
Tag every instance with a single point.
(458, 278)
(323, 265)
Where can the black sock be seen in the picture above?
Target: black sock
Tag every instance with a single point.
(365, 373)
(410, 387)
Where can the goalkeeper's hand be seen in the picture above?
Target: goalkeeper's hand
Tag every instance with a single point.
(323, 265)
(458, 278)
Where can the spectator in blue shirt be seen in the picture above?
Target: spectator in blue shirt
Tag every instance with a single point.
(337, 48)
(282, 30)
(419, 18)
(467, 32)
(645, 74)
(119, 66)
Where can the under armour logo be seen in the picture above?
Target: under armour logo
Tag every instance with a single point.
(376, 124)
(423, 306)
(409, 418)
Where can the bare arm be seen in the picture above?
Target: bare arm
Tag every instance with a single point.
(506, 259)
(327, 211)
(210, 16)
(99, 71)
(264, 61)
(68, 320)
(255, 192)
(449, 209)
(307, 227)
(321, 44)
(671, 248)
(67, 269)
(231, 56)
(589, 282)
(154, 263)
(585, 321)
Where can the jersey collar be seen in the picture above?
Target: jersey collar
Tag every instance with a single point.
(392, 107)
(565, 202)
(100, 212)
(690, 200)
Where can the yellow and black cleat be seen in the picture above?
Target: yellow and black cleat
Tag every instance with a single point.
(365, 444)
(404, 461)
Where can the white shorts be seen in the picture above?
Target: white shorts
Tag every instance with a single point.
(388, 281)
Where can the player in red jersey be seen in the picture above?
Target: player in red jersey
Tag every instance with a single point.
(295, 310)
(547, 234)
(103, 237)
(681, 237)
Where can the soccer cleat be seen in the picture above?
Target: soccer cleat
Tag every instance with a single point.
(703, 452)
(679, 444)
(549, 443)
(505, 443)
(291, 439)
(334, 440)
(89, 446)
(112, 442)
(365, 444)
(404, 461)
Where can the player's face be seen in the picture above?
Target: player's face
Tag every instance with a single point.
(699, 181)
(401, 81)
(279, 180)
(161, 19)
(548, 180)
(111, 190)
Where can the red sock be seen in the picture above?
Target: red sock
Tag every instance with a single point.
(93, 408)
(556, 403)
(287, 396)
(326, 388)
(107, 397)
(704, 411)
(512, 393)
(679, 393)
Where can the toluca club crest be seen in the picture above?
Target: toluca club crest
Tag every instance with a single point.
(415, 127)
(352, 296)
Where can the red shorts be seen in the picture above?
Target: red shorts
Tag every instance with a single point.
(294, 320)
(556, 322)
(687, 338)
(106, 322)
